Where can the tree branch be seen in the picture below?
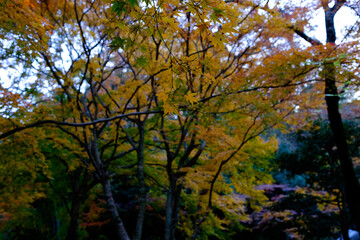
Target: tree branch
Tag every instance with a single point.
(36, 124)
(312, 41)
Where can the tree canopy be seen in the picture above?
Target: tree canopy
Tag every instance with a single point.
(166, 119)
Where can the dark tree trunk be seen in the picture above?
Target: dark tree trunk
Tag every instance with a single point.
(73, 230)
(352, 187)
(172, 208)
(169, 207)
(142, 190)
(79, 189)
(176, 210)
(344, 216)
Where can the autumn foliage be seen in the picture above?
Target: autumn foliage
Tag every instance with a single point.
(163, 120)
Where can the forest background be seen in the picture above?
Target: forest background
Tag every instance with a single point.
(177, 120)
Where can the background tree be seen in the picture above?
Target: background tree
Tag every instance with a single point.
(310, 155)
(329, 63)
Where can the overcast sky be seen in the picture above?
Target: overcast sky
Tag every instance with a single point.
(344, 19)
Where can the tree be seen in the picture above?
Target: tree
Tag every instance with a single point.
(83, 98)
(308, 159)
(187, 90)
(199, 76)
(68, 81)
(352, 187)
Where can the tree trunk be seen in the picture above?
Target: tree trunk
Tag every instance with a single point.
(352, 187)
(172, 208)
(104, 177)
(73, 230)
(344, 216)
(169, 208)
(120, 228)
(142, 190)
(176, 210)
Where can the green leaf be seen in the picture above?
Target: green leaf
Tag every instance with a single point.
(216, 14)
(133, 3)
(117, 43)
(343, 55)
(142, 61)
(118, 7)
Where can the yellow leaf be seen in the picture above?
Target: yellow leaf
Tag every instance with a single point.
(190, 97)
(162, 96)
(170, 109)
(209, 78)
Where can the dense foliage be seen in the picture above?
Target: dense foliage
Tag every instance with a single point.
(175, 120)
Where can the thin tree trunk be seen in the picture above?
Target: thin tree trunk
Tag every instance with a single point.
(344, 216)
(120, 228)
(142, 200)
(169, 209)
(176, 210)
(104, 178)
(352, 187)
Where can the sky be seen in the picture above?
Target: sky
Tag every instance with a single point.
(344, 19)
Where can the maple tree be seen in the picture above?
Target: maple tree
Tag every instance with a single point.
(176, 94)
(190, 84)
(65, 90)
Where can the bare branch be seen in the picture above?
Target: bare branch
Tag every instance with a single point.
(312, 41)
(36, 124)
